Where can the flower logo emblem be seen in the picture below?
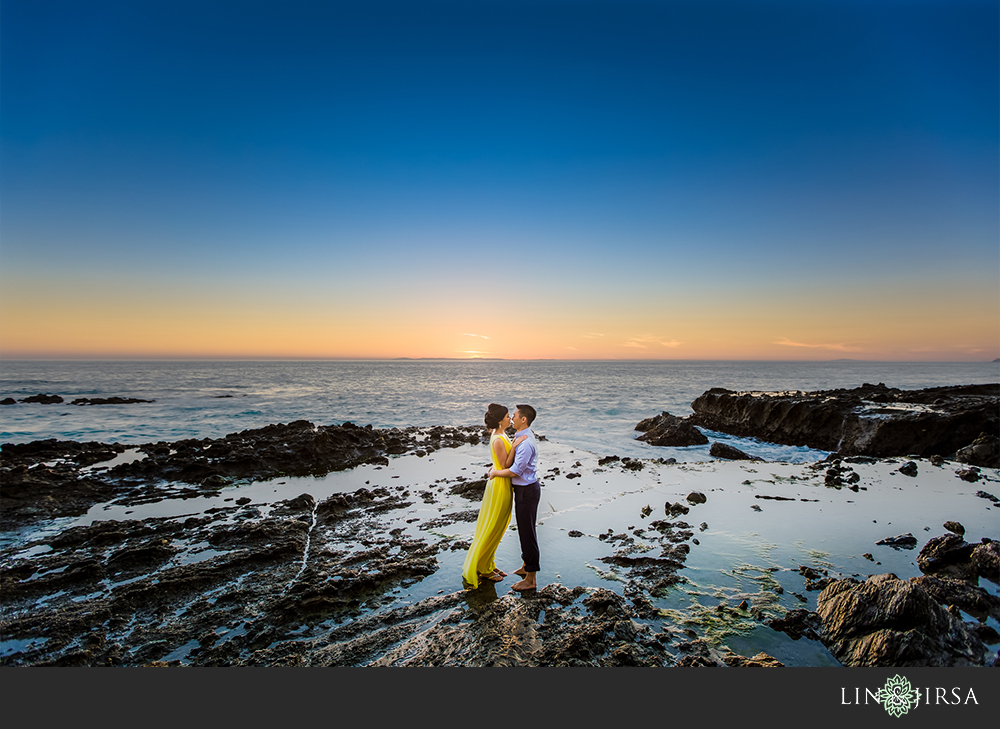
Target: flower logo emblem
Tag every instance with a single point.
(897, 696)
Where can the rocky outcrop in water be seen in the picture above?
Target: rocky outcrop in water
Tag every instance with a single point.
(730, 453)
(871, 420)
(49, 478)
(669, 430)
(108, 400)
(886, 621)
(984, 451)
(43, 399)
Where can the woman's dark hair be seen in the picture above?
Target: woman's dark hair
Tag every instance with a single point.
(494, 414)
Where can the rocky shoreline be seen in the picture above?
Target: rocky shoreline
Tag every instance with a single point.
(959, 423)
(324, 581)
(112, 593)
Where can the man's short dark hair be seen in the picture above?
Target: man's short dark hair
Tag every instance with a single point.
(528, 412)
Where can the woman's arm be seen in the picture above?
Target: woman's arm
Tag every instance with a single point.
(508, 458)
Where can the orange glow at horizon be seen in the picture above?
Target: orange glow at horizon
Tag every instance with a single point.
(147, 323)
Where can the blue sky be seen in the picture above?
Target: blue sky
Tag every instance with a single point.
(643, 169)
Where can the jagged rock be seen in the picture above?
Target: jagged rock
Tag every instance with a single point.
(903, 541)
(989, 497)
(871, 420)
(728, 452)
(797, 623)
(8, 401)
(632, 464)
(984, 451)
(669, 430)
(886, 621)
(972, 599)
(969, 474)
(908, 469)
(809, 573)
(948, 555)
(955, 527)
(44, 399)
(675, 509)
(985, 560)
(293, 449)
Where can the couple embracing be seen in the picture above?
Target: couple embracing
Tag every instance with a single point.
(513, 479)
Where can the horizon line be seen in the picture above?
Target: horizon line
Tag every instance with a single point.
(207, 358)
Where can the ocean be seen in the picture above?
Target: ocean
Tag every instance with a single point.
(593, 405)
(749, 541)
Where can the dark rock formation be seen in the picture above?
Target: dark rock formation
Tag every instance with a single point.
(947, 555)
(955, 528)
(31, 489)
(108, 400)
(838, 475)
(972, 599)
(798, 623)
(903, 541)
(984, 451)
(675, 509)
(730, 453)
(669, 430)
(696, 497)
(871, 420)
(886, 621)
(43, 399)
(985, 560)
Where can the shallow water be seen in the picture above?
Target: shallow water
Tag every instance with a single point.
(743, 553)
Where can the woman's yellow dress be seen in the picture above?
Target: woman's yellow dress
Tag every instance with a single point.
(494, 517)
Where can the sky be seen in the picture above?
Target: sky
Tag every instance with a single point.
(722, 179)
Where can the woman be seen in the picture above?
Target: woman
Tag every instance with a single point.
(494, 514)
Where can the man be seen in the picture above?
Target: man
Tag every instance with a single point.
(523, 475)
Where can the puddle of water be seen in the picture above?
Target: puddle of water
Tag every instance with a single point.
(130, 455)
(9, 647)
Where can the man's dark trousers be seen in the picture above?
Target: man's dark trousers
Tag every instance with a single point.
(526, 500)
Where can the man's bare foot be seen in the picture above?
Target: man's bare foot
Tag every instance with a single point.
(524, 585)
(520, 571)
